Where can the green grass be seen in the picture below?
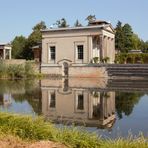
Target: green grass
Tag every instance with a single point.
(28, 128)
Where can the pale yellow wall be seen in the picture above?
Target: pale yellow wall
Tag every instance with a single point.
(66, 43)
(65, 48)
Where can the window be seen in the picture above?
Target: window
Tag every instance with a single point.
(80, 105)
(52, 102)
(52, 52)
(80, 52)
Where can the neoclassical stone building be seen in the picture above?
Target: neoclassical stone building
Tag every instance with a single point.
(69, 51)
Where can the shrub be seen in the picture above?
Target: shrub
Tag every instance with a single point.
(16, 71)
(3, 69)
(29, 72)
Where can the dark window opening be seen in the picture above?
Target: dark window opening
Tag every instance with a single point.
(52, 100)
(80, 52)
(52, 52)
(80, 102)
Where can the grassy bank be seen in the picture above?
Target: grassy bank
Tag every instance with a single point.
(17, 71)
(28, 128)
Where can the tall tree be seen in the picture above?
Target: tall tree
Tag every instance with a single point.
(77, 24)
(18, 46)
(34, 38)
(136, 42)
(62, 23)
(119, 37)
(128, 35)
(90, 18)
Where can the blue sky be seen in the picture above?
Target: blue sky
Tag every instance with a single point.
(17, 17)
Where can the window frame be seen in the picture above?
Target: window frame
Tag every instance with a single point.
(52, 53)
(80, 54)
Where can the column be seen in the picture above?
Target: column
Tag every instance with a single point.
(4, 54)
(10, 54)
(101, 46)
(105, 46)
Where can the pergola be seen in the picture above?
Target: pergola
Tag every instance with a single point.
(5, 51)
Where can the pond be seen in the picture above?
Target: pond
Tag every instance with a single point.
(111, 108)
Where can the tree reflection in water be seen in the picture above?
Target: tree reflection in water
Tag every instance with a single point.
(21, 91)
(125, 102)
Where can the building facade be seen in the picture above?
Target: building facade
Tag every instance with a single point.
(66, 50)
(5, 51)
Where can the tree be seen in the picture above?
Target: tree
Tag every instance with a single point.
(77, 24)
(119, 37)
(18, 45)
(34, 38)
(128, 35)
(90, 18)
(144, 46)
(135, 42)
(125, 102)
(62, 23)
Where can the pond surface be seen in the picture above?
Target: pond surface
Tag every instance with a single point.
(111, 108)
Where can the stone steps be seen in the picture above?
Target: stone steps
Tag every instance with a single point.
(128, 85)
(127, 70)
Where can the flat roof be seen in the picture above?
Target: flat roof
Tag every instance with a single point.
(77, 28)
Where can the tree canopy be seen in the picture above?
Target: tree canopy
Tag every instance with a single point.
(18, 45)
(62, 23)
(77, 24)
(126, 39)
(90, 18)
(22, 47)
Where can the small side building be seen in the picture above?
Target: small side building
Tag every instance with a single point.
(37, 52)
(5, 51)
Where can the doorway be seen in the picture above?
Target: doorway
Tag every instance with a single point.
(65, 69)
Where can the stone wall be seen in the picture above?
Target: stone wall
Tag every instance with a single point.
(15, 61)
(76, 71)
(87, 71)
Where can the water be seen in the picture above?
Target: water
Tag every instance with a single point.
(111, 108)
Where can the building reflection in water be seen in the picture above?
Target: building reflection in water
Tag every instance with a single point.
(66, 102)
(6, 99)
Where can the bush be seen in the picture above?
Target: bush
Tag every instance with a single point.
(131, 58)
(29, 72)
(16, 71)
(3, 69)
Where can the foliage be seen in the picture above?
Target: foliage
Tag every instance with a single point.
(22, 47)
(90, 18)
(77, 24)
(62, 23)
(126, 39)
(105, 59)
(29, 72)
(132, 58)
(3, 69)
(119, 37)
(95, 59)
(127, 106)
(16, 70)
(128, 35)
(18, 45)
(37, 129)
